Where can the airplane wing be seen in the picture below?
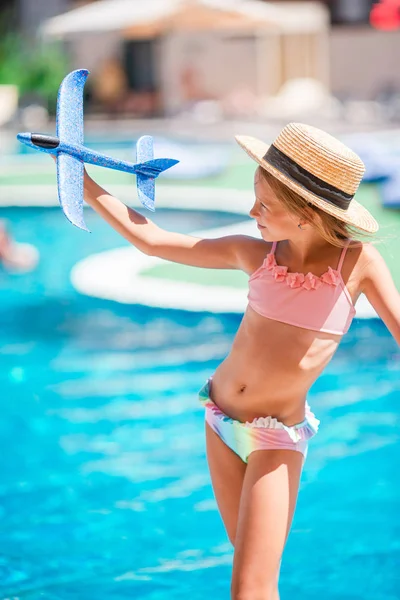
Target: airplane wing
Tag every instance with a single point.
(70, 107)
(70, 130)
(70, 188)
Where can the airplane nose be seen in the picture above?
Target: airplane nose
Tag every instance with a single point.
(25, 138)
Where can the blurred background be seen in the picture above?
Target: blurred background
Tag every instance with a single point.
(104, 488)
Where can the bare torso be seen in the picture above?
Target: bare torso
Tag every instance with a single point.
(272, 365)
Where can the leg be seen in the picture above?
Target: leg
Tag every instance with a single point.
(227, 473)
(266, 511)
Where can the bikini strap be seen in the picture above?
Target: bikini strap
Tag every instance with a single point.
(273, 248)
(342, 256)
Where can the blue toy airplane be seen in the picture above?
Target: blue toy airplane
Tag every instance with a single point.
(72, 154)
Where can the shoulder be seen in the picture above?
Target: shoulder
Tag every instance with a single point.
(374, 272)
(370, 261)
(251, 252)
(359, 256)
(375, 276)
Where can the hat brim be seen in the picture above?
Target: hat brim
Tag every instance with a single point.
(356, 215)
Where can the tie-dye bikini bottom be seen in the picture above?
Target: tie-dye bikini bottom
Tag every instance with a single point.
(264, 433)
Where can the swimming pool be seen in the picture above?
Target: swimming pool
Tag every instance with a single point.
(104, 489)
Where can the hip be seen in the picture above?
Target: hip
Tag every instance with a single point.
(309, 421)
(262, 433)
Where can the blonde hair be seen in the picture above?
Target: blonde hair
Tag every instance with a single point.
(331, 229)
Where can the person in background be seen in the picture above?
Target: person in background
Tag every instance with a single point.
(15, 256)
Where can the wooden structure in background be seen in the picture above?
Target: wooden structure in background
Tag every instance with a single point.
(236, 52)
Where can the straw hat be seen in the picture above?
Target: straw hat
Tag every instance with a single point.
(318, 167)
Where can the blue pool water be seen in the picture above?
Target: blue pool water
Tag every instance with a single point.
(104, 488)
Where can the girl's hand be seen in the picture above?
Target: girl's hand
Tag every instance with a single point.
(54, 157)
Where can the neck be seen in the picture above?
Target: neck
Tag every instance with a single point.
(307, 248)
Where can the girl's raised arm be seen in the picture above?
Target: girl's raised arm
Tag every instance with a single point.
(227, 252)
(381, 291)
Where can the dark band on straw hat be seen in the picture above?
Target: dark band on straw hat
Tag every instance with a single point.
(287, 166)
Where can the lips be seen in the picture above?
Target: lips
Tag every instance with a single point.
(260, 226)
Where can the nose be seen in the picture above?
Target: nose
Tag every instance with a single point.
(25, 138)
(253, 213)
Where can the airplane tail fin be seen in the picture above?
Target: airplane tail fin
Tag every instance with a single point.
(145, 184)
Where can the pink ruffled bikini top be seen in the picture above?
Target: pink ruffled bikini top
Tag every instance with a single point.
(309, 301)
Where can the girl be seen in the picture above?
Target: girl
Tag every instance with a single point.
(305, 275)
